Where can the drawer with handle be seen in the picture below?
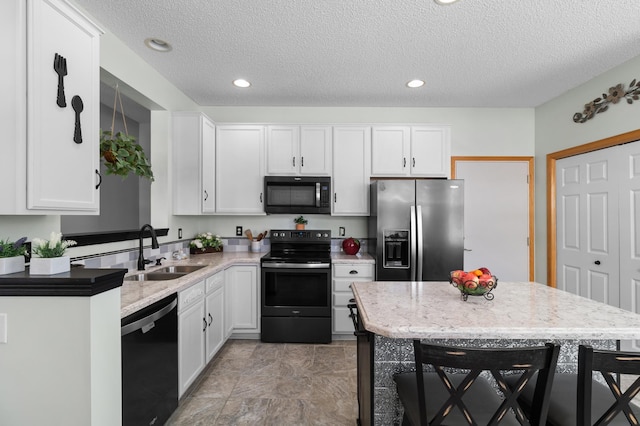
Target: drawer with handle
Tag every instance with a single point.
(365, 270)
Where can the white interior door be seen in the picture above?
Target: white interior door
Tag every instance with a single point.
(587, 226)
(630, 232)
(496, 216)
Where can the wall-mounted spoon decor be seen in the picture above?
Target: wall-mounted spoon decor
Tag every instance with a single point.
(60, 67)
(78, 106)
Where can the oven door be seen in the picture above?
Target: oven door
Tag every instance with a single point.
(296, 290)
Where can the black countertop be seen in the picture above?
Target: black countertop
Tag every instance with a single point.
(78, 281)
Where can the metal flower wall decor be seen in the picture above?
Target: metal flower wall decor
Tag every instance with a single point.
(601, 104)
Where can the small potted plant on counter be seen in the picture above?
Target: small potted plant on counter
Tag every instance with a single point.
(12, 256)
(51, 259)
(205, 242)
(300, 222)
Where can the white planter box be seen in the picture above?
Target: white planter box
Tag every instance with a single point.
(11, 265)
(49, 266)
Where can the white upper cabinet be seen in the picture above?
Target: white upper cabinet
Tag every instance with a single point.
(411, 151)
(299, 150)
(351, 170)
(55, 142)
(193, 162)
(390, 148)
(240, 169)
(431, 151)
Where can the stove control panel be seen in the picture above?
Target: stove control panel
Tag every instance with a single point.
(301, 236)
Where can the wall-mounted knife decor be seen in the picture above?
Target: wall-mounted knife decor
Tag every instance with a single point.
(60, 67)
(78, 106)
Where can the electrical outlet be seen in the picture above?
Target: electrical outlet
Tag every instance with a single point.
(179, 233)
(27, 255)
(341, 232)
(238, 231)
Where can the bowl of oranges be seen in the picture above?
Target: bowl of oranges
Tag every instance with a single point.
(478, 282)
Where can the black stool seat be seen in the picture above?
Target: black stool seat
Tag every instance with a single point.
(578, 399)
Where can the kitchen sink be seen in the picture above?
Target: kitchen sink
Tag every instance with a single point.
(155, 276)
(182, 268)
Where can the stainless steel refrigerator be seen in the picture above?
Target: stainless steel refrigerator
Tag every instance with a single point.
(417, 228)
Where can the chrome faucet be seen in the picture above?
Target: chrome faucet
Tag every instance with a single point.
(154, 245)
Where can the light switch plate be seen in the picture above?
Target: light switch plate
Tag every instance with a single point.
(3, 328)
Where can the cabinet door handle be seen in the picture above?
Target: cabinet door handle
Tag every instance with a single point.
(301, 161)
(204, 320)
(404, 162)
(294, 161)
(261, 197)
(99, 179)
(414, 162)
(206, 195)
(335, 197)
(597, 262)
(210, 319)
(353, 272)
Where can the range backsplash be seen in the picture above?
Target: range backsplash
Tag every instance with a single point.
(129, 258)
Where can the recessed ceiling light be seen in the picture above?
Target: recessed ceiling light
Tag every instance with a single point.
(242, 83)
(158, 45)
(414, 84)
(445, 2)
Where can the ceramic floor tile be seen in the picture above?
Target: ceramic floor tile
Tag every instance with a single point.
(197, 412)
(243, 412)
(216, 386)
(255, 383)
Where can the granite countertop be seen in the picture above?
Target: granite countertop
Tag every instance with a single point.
(520, 310)
(139, 294)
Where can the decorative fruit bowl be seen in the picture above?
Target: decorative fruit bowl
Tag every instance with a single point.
(478, 282)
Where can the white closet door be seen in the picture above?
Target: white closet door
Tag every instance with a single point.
(630, 227)
(496, 217)
(587, 226)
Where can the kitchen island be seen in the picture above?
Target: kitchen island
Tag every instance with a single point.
(392, 314)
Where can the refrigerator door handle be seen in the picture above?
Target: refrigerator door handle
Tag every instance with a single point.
(414, 242)
(420, 243)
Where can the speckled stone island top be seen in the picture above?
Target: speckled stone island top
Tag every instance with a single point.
(520, 310)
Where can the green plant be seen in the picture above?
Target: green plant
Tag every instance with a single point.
(54, 247)
(13, 249)
(301, 220)
(122, 155)
(206, 240)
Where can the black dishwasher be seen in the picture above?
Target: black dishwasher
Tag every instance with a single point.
(150, 363)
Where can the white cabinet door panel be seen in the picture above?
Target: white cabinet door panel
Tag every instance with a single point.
(351, 170)
(62, 171)
(239, 169)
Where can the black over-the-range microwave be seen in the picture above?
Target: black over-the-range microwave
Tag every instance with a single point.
(297, 194)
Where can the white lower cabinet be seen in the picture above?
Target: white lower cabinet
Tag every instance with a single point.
(200, 327)
(191, 336)
(343, 275)
(245, 294)
(214, 311)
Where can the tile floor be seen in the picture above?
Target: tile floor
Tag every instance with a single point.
(255, 383)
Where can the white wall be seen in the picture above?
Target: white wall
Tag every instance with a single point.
(555, 131)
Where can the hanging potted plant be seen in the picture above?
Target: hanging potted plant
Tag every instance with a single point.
(51, 258)
(121, 153)
(12, 256)
(300, 222)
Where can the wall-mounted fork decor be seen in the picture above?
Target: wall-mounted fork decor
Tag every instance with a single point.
(60, 67)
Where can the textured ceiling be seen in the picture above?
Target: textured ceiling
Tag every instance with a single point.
(475, 53)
